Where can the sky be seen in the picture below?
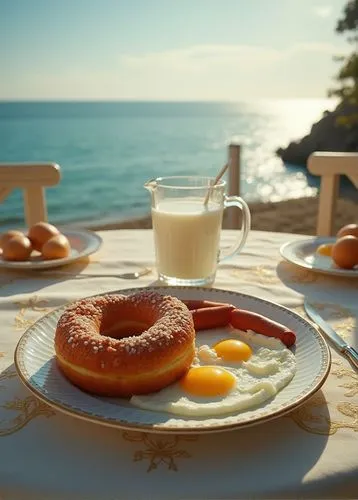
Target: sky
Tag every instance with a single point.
(223, 50)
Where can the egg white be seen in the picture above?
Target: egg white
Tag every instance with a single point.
(270, 368)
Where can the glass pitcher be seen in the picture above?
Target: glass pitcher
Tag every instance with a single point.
(187, 214)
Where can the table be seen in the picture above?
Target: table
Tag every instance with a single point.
(310, 453)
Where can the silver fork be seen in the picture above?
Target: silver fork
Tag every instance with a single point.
(124, 276)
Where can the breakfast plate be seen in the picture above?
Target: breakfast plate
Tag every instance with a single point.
(304, 254)
(36, 365)
(83, 243)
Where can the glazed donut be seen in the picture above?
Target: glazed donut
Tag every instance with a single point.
(118, 345)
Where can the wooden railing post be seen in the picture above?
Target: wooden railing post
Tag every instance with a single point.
(233, 219)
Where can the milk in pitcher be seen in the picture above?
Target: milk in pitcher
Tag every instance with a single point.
(187, 237)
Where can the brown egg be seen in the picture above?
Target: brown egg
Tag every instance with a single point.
(345, 252)
(56, 247)
(4, 237)
(40, 233)
(17, 248)
(350, 229)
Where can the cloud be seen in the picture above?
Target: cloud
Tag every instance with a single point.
(311, 47)
(232, 71)
(206, 56)
(200, 72)
(202, 57)
(322, 10)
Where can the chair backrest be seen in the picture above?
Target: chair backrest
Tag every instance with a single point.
(330, 166)
(32, 178)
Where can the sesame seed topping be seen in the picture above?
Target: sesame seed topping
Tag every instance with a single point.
(169, 324)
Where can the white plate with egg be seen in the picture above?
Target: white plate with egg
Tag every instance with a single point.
(304, 254)
(82, 242)
(309, 359)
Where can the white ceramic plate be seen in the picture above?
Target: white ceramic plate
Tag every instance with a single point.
(303, 254)
(36, 365)
(83, 243)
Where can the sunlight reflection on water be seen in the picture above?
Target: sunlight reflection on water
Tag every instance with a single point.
(274, 124)
(111, 149)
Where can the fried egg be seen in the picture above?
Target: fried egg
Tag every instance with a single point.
(232, 372)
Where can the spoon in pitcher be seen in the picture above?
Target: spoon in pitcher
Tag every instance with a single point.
(216, 180)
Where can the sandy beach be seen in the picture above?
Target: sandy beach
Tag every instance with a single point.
(290, 216)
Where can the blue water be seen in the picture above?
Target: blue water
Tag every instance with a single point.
(108, 150)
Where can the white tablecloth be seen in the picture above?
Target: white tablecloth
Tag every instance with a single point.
(310, 453)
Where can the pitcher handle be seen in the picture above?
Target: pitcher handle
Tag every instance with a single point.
(238, 202)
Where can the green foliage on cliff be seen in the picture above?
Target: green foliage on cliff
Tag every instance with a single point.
(348, 73)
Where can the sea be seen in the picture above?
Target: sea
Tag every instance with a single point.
(108, 150)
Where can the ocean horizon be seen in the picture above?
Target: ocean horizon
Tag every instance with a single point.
(107, 150)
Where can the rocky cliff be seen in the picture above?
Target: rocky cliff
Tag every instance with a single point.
(325, 135)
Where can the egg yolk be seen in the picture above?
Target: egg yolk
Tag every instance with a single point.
(325, 249)
(233, 350)
(207, 381)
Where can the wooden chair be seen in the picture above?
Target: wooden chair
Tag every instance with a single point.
(32, 178)
(330, 166)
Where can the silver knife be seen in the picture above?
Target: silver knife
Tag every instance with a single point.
(336, 340)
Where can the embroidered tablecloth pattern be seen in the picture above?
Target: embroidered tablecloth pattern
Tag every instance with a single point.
(310, 453)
